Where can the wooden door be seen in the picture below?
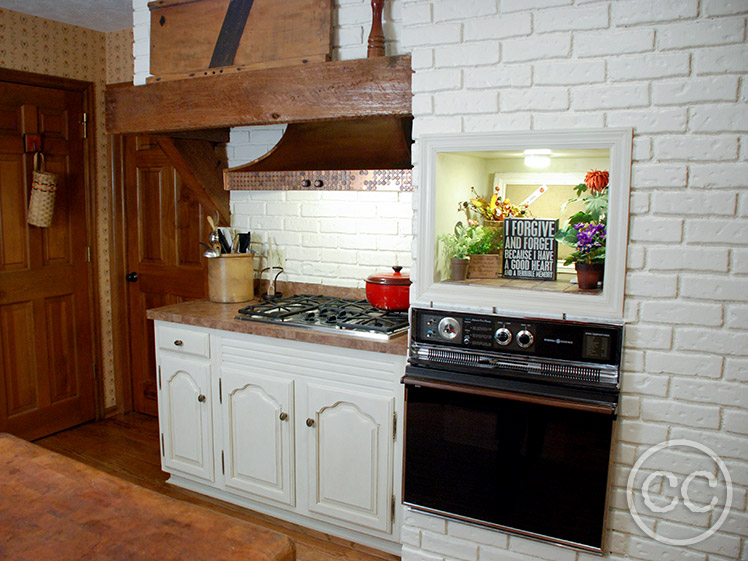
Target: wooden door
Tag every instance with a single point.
(164, 229)
(258, 438)
(46, 338)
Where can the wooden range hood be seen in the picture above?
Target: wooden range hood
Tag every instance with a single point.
(371, 98)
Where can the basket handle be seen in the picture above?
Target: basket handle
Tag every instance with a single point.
(39, 156)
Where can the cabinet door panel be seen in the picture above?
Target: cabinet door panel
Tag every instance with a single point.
(349, 455)
(258, 440)
(184, 403)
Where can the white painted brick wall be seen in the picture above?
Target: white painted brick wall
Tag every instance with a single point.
(674, 71)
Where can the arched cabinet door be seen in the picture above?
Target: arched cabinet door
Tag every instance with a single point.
(258, 434)
(349, 447)
(185, 416)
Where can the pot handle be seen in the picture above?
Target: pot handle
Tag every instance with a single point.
(397, 268)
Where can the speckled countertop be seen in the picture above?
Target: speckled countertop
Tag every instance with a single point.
(203, 313)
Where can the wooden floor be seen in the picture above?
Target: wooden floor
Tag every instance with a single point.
(127, 446)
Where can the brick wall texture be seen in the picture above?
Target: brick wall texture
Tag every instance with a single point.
(676, 72)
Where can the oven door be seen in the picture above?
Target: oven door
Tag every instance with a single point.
(528, 462)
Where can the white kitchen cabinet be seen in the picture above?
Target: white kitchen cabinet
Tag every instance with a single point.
(347, 456)
(185, 415)
(258, 452)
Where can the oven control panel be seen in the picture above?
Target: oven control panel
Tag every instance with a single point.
(598, 343)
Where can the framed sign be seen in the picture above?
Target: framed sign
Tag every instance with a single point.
(530, 250)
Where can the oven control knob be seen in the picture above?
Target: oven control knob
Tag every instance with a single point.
(466, 339)
(449, 328)
(503, 336)
(525, 338)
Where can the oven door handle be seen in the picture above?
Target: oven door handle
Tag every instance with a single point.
(604, 407)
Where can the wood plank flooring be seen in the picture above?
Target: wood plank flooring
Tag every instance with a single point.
(127, 446)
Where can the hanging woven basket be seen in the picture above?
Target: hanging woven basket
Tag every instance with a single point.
(43, 189)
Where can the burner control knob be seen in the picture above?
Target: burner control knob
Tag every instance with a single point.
(503, 336)
(525, 338)
(449, 328)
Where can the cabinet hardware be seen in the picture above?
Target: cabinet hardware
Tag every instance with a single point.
(159, 377)
(178, 342)
(310, 422)
(162, 444)
(201, 398)
(392, 508)
(131, 277)
(88, 254)
(223, 464)
(84, 122)
(220, 391)
(394, 426)
(283, 416)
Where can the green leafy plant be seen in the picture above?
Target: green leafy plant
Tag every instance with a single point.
(470, 240)
(586, 230)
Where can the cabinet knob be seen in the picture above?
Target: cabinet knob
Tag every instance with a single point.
(201, 398)
(310, 422)
(283, 416)
(179, 342)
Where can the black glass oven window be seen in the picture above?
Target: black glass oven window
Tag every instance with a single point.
(523, 466)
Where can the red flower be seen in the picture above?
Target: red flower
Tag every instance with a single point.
(596, 180)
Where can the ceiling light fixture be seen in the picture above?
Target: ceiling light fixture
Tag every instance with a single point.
(538, 158)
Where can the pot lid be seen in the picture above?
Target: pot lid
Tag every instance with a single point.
(396, 278)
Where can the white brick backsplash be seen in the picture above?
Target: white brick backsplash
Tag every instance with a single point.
(688, 313)
(487, 553)
(450, 546)
(497, 122)
(469, 54)
(648, 337)
(417, 12)
(645, 11)
(423, 104)
(714, 288)
(618, 42)
(649, 66)
(656, 229)
(630, 406)
(718, 341)
(651, 285)
(439, 34)
(718, 118)
(725, 175)
(725, 445)
(724, 7)
(424, 521)
(739, 261)
(501, 27)
(540, 550)
(538, 99)
(593, 17)
(567, 120)
(669, 411)
(649, 549)
(560, 73)
(695, 90)
(476, 534)
(464, 103)
(637, 432)
(410, 536)
(516, 75)
(658, 175)
(736, 421)
(688, 258)
(445, 11)
(417, 554)
(587, 98)
(645, 121)
(715, 230)
(692, 202)
(737, 317)
(437, 80)
(719, 60)
(523, 5)
(635, 257)
(422, 58)
(684, 364)
(437, 125)
(556, 45)
(639, 203)
(693, 147)
(701, 34)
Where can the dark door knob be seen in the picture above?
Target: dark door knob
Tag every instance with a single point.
(131, 277)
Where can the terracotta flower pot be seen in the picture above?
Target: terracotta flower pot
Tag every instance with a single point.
(589, 275)
(459, 268)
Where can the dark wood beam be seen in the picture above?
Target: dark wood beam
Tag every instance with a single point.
(201, 169)
(308, 92)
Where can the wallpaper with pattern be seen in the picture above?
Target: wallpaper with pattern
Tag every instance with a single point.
(42, 46)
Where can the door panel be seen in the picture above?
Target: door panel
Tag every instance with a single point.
(45, 300)
(164, 230)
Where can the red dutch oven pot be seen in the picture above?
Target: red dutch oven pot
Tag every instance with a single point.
(389, 291)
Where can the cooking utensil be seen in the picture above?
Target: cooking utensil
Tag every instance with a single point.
(225, 247)
(389, 291)
(210, 252)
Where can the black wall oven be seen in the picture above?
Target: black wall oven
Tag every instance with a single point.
(509, 422)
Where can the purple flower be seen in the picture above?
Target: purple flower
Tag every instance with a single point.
(589, 236)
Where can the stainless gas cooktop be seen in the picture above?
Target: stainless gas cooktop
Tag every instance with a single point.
(327, 313)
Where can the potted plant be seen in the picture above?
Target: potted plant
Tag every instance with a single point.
(485, 253)
(586, 231)
(456, 246)
(491, 212)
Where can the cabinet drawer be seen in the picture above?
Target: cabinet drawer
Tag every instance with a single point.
(184, 341)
